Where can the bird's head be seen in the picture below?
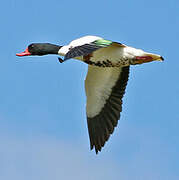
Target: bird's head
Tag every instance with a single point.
(40, 49)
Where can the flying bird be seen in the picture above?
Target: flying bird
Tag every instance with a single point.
(105, 84)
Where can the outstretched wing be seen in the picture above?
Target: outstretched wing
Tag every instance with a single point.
(88, 48)
(105, 88)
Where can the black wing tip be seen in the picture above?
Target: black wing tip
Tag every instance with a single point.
(98, 135)
(97, 150)
(96, 142)
(60, 60)
(97, 147)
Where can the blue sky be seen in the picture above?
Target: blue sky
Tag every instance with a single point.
(43, 130)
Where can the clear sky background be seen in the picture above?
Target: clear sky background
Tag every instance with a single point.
(43, 130)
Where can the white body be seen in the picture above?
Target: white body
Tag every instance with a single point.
(105, 84)
(118, 55)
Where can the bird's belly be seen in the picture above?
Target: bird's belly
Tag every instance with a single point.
(107, 57)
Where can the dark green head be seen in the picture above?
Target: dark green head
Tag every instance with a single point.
(40, 49)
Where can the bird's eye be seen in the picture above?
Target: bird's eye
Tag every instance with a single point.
(31, 46)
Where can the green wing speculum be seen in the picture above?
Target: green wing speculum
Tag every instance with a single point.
(86, 49)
